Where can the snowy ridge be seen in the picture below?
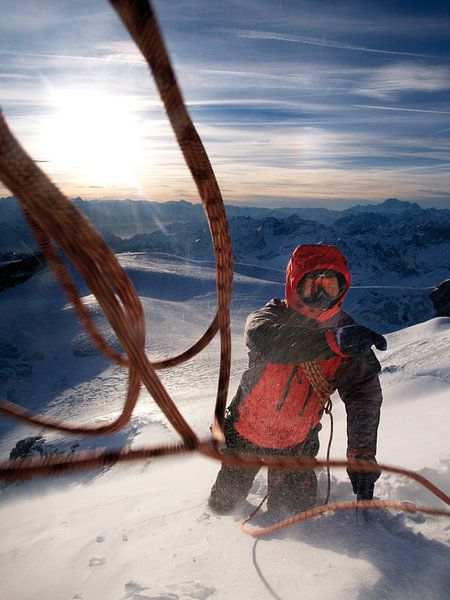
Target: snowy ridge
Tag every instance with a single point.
(424, 351)
(396, 250)
(145, 532)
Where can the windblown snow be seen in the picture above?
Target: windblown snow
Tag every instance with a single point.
(144, 532)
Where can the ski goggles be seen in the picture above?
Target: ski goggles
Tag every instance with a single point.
(328, 284)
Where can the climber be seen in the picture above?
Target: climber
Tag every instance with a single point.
(276, 410)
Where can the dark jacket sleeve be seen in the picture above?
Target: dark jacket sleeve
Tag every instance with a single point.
(359, 387)
(276, 333)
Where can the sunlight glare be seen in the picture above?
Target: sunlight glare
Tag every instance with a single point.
(97, 136)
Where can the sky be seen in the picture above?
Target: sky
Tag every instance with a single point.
(299, 103)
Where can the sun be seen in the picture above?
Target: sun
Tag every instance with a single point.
(97, 137)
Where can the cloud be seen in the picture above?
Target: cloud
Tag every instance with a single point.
(31, 17)
(322, 42)
(389, 81)
(281, 115)
(114, 57)
(15, 76)
(404, 109)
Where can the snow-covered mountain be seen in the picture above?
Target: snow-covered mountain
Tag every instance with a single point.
(397, 251)
(144, 532)
(385, 242)
(388, 244)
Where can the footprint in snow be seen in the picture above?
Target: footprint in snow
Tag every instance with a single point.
(193, 590)
(137, 591)
(157, 596)
(96, 561)
(188, 590)
(205, 516)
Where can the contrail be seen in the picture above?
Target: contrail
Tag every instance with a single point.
(312, 41)
(134, 61)
(418, 110)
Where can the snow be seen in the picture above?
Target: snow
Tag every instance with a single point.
(144, 531)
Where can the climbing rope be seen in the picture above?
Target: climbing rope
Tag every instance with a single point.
(407, 507)
(54, 219)
(324, 390)
(60, 228)
(329, 411)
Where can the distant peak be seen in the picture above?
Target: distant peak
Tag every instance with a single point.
(396, 204)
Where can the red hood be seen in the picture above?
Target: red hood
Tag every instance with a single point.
(313, 257)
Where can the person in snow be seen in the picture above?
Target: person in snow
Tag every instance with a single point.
(276, 410)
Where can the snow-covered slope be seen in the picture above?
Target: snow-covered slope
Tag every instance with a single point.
(47, 362)
(144, 532)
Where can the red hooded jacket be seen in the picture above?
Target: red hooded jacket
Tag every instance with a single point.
(314, 257)
(276, 406)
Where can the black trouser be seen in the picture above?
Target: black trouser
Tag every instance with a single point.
(293, 490)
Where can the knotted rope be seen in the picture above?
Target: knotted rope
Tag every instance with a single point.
(57, 224)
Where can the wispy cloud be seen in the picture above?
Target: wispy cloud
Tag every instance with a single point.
(322, 42)
(403, 109)
(389, 81)
(119, 58)
(29, 17)
(292, 103)
(15, 76)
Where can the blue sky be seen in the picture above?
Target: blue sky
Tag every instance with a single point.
(318, 103)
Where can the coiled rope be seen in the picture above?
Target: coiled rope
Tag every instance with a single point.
(59, 226)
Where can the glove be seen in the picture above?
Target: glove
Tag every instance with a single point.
(363, 483)
(356, 339)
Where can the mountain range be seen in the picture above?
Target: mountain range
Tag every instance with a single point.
(397, 251)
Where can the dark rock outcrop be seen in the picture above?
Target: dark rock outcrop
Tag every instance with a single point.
(16, 271)
(440, 298)
(38, 446)
(30, 446)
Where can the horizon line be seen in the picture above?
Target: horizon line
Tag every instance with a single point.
(301, 204)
